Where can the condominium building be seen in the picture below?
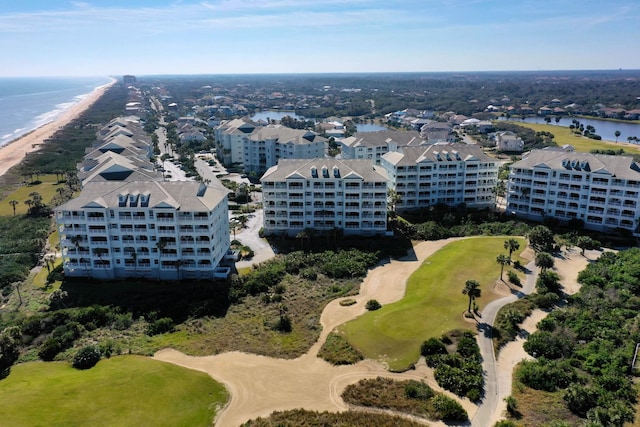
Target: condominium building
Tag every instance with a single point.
(156, 230)
(601, 191)
(450, 174)
(324, 195)
(129, 222)
(372, 145)
(258, 147)
(268, 144)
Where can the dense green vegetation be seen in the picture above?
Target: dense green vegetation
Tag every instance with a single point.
(22, 239)
(410, 397)
(463, 93)
(585, 349)
(394, 333)
(160, 394)
(459, 371)
(302, 417)
(441, 222)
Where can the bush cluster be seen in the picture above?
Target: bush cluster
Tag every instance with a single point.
(86, 357)
(460, 372)
(342, 264)
(586, 348)
(373, 305)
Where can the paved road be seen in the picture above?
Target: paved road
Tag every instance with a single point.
(493, 392)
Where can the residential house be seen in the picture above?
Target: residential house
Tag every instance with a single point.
(509, 141)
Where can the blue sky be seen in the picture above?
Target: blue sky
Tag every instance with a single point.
(115, 37)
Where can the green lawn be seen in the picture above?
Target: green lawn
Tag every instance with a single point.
(47, 189)
(121, 391)
(563, 135)
(433, 303)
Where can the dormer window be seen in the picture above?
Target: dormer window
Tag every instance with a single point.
(144, 199)
(314, 172)
(122, 200)
(133, 199)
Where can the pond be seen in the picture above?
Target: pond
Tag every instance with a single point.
(605, 128)
(370, 127)
(274, 115)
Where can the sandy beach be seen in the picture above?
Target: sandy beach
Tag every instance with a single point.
(13, 153)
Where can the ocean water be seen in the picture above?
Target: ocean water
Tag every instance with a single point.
(27, 103)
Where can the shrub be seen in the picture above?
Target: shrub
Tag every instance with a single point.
(473, 395)
(373, 305)
(418, 390)
(513, 278)
(432, 346)
(449, 409)
(309, 273)
(122, 321)
(545, 375)
(86, 357)
(283, 324)
(49, 349)
(512, 405)
(161, 326)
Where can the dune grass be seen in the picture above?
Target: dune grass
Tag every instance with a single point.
(433, 303)
(121, 391)
(47, 189)
(562, 135)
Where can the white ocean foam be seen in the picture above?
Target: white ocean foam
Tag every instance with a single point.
(46, 117)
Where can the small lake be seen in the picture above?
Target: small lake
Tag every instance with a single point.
(370, 127)
(274, 115)
(606, 129)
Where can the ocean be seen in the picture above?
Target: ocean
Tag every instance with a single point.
(27, 103)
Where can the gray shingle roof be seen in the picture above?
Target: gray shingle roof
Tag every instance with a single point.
(184, 195)
(413, 155)
(381, 138)
(622, 167)
(362, 167)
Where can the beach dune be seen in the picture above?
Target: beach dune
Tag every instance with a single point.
(14, 152)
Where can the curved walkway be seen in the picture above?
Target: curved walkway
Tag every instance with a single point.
(492, 392)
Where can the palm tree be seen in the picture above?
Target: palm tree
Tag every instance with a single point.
(617, 134)
(472, 290)
(13, 204)
(29, 204)
(544, 261)
(50, 262)
(511, 245)
(393, 198)
(503, 260)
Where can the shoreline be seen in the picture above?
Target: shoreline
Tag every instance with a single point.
(15, 151)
